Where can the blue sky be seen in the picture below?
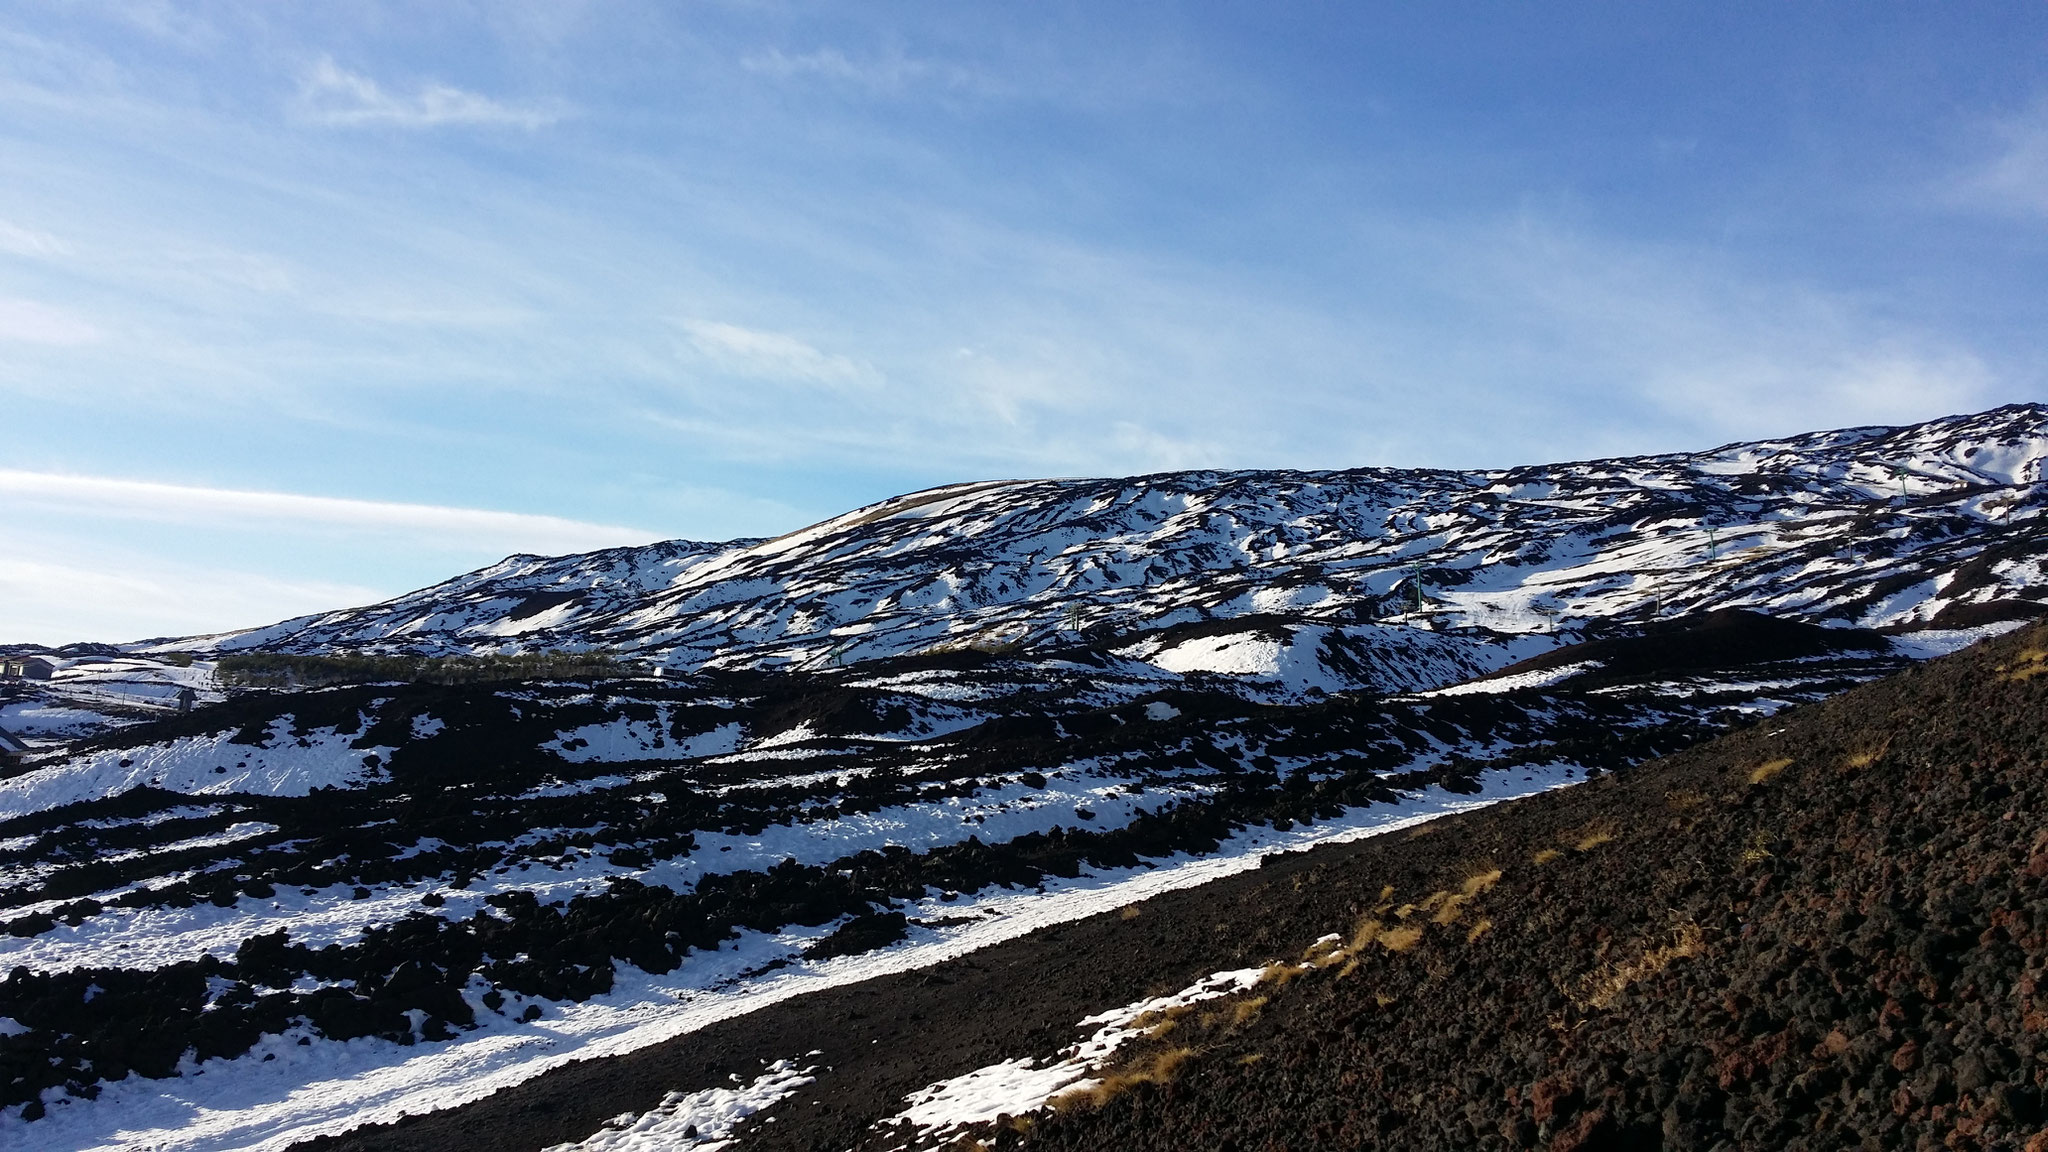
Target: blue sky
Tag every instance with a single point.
(306, 305)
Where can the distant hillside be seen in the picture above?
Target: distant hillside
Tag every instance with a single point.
(1373, 578)
(390, 863)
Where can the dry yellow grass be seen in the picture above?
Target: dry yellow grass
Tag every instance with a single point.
(1278, 975)
(1684, 799)
(1756, 850)
(1547, 855)
(1593, 839)
(1130, 912)
(1451, 905)
(1401, 939)
(1250, 1058)
(1161, 1022)
(1244, 1010)
(1479, 882)
(1478, 930)
(1368, 930)
(1768, 769)
(1157, 1068)
(1604, 985)
(2029, 664)
(1322, 948)
(1868, 756)
(1324, 953)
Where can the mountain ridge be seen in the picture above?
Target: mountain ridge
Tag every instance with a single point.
(1843, 527)
(299, 908)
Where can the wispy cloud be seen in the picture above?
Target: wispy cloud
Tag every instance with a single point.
(332, 94)
(112, 598)
(31, 322)
(759, 354)
(887, 72)
(178, 503)
(1680, 339)
(18, 241)
(163, 20)
(2016, 175)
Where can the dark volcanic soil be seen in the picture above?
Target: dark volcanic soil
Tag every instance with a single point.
(1826, 932)
(1823, 932)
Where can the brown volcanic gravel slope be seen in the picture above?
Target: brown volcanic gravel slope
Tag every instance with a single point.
(1822, 932)
(1829, 931)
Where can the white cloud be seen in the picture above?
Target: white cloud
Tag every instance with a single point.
(18, 241)
(771, 355)
(163, 20)
(184, 504)
(331, 94)
(112, 598)
(1743, 396)
(29, 322)
(2016, 177)
(887, 72)
(1713, 351)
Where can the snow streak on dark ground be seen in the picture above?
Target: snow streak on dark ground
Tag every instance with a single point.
(908, 732)
(399, 885)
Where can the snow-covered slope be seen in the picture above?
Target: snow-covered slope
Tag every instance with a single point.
(1311, 577)
(898, 735)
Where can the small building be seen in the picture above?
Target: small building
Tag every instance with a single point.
(12, 748)
(28, 668)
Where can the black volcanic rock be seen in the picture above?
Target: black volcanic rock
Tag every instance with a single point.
(1829, 931)
(1713, 641)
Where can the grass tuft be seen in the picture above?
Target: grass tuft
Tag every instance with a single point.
(1768, 769)
(2029, 664)
(1279, 974)
(1479, 882)
(1593, 839)
(1157, 1068)
(1758, 849)
(1603, 986)
(1684, 799)
(1401, 939)
(1368, 930)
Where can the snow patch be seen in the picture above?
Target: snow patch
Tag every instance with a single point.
(1539, 678)
(1234, 654)
(698, 1121)
(1930, 643)
(283, 765)
(1019, 1087)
